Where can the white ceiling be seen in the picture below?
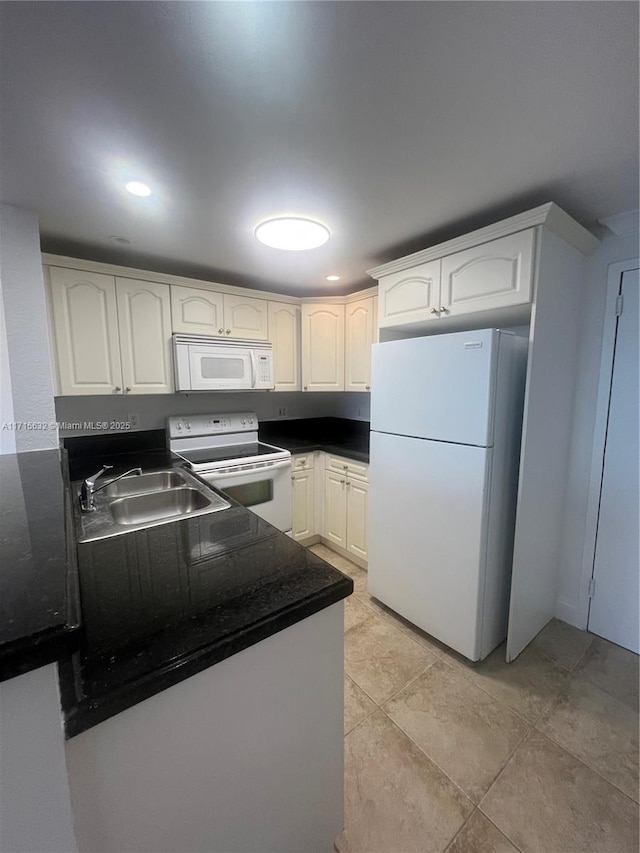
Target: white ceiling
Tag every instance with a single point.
(398, 124)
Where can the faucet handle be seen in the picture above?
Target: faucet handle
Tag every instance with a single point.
(91, 480)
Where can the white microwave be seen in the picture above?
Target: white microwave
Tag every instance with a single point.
(221, 364)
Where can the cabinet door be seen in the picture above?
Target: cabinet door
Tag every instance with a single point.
(359, 322)
(144, 322)
(302, 516)
(409, 296)
(357, 497)
(322, 347)
(284, 334)
(196, 312)
(86, 332)
(495, 275)
(335, 508)
(245, 317)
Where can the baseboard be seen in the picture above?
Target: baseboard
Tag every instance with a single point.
(309, 540)
(570, 613)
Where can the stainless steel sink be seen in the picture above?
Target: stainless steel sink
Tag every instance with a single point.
(155, 505)
(139, 484)
(146, 500)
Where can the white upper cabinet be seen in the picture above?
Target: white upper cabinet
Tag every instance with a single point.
(284, 334)
(322, 347)
(497, 274)
(246, 317)
(359, 335)
(144, 322)
(197, 312)
(206, 312)
(86, 332)
(409, 296)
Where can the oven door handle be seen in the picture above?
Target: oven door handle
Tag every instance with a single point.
(226, 475)
(252, 357)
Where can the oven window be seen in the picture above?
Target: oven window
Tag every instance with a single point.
(251, 494)
(221, 367)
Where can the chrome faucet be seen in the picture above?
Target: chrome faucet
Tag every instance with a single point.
(88, 488)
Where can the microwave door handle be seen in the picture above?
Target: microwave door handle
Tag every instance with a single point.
(252, 356)
(273, 466)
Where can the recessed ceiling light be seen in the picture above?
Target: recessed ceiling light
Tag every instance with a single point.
(333, 278)
(138, 188)
(292, 233)
(121, 241)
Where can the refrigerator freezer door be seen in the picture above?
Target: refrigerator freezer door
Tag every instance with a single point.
(440, 387)
(427, 524)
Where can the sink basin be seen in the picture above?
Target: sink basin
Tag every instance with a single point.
(140, 501)
(136, 484)
(152, 506)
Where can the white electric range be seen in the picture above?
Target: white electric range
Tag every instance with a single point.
(224, 450)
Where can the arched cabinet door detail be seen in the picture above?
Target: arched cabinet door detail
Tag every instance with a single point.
(197, 312)
(284, 334)
(144, 322)
(246, 317)
(359, 332)
(322, 347)
(85, 332)
(409, 296)
(498, 274)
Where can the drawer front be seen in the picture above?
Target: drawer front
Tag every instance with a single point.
(302, 462)
(350, 467)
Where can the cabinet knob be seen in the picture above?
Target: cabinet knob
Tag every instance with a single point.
(345, 467)
(443, 309)
(434, 311)
(228, 332)
(305, 387)
(127, 389)
(368, 387)
(221, 331)
(342, 481)
(117, 389)
(348, 483)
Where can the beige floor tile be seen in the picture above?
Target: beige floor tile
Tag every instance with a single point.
(341, 563)
(355, 612)
(611, 668)
(469, 735)
(381, 659)
(597, 728)
(403, 625)
(546, 801)
(396, 800)
(357, 705)
(479, 835)
(527, 685)
(563, 643)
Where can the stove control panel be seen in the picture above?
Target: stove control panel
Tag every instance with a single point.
(187, 426)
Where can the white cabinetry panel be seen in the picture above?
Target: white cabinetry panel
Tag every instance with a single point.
(144, 321)
(335, 508)
(246, 317)
(197, 312)
(284, 334)
(359, 324)
(357, 500)
(303, 504)
(497, 274)
(323, 347)
(86, 332)
(409, 296)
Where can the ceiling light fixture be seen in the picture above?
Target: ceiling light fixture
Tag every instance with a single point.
(333, 278)
(292, 233)
(138, 188)
(121, 241)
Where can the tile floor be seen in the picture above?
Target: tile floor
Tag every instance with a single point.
(537, 756)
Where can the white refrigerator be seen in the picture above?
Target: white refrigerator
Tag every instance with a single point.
(446, 416)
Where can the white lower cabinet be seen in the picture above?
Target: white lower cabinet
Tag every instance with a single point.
(302, 526)
(345, 505)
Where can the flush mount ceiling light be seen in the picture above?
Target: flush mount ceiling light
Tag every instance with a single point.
(138, 188)
(120, 241)
(292, 233)
(333, 278)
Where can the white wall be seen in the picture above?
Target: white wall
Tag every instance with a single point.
(572, 604)
(35, 803)
(153, 409)
(7, 436)
(26, 328)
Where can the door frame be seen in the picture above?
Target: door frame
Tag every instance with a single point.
(614, 276)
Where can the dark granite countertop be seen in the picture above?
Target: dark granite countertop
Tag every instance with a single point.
(38, 583)
(161, 604)
(334, 435)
